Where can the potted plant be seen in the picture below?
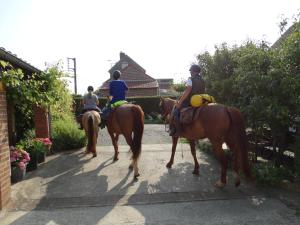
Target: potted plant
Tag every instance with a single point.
(19, 158)
(43, 146)
(32, 148)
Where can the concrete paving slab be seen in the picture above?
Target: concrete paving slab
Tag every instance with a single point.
(73, 188)
(233, 212)
(76, 178)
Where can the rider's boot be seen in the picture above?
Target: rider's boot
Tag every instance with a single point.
(174, 126)
(102, 124)
(172, 129)
(178, 129)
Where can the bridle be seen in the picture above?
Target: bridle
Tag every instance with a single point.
(164, 115)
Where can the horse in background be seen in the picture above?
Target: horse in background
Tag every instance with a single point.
(128, 120)
(90, 123)
(219, 124)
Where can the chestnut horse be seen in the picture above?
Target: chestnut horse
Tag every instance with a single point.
(127, 119)
(219, 124)
(90, 123)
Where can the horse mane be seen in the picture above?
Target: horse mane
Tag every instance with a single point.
(168, 104)
(170, 99)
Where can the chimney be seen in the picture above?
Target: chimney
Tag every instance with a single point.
(122, 55)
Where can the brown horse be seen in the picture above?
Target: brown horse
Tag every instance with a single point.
(90, 122)
(127, 119)
(220, 124)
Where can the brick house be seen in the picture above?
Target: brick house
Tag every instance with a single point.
(165, 87)
(138, 82)
(7, 124)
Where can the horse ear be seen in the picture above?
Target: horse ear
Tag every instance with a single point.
(161, 98)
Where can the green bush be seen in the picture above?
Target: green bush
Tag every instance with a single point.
(205, 146)
(267, 174)
(29, 134)
(153, 118)
(66, 135)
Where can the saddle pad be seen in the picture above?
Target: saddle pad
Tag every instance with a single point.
(118, 103)
(187, 115)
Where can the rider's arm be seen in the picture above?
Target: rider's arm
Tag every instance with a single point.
(185, 94)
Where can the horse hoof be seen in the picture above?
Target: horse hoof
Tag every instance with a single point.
(130, 167)
(169, 165)
(196, 172)
(116, 159)
(237, 183)
(220, 184)
(94, 155)
(136, 176)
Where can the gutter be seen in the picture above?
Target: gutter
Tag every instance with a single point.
(17, 62)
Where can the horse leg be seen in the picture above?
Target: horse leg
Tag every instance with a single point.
(133, 165)
(174, 144)
(114, 139)
(87, 148)
(94, 146)
(116, 156)
(193, 151)
(129, 142)
(235, 165)
(217, 148)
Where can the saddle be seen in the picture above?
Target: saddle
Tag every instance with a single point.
(189, 114)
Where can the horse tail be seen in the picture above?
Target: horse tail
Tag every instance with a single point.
(138, 129)
(237, 136)
(90, 132)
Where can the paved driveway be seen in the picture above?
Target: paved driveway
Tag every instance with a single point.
(73, 188)
(153, 134)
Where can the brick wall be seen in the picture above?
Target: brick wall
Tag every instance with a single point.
(41, 122)
(5, 185)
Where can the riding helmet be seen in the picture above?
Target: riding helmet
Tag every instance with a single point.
(116, 74)
(90, 88)
(195, 68)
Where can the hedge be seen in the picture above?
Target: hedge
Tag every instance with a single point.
(149, 104)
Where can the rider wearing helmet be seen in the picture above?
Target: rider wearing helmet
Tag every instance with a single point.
(194, 85)
(117, 93)
(117, 88)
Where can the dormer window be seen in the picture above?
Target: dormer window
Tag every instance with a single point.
(124, 65)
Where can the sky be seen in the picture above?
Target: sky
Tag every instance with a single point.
(162, 36)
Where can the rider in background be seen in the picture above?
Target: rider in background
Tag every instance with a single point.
(90, 102)
(117, 93)
(194, 85)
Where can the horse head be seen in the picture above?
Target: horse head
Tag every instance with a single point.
(166, 106)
